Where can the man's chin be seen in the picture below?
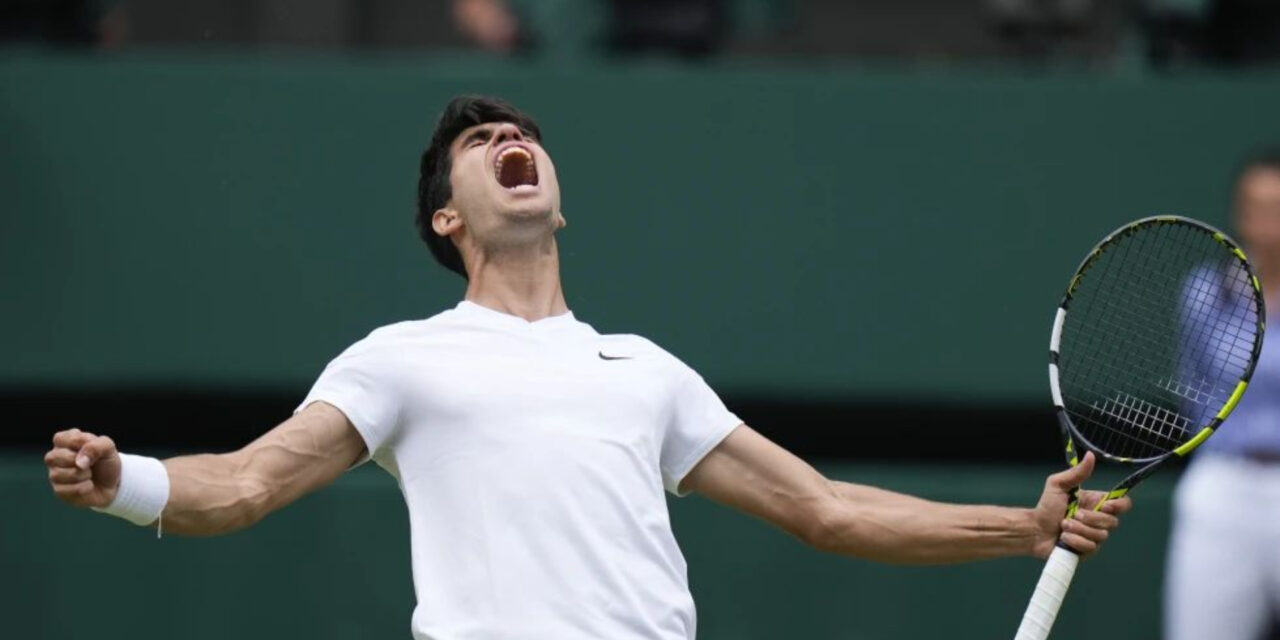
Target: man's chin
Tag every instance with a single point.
(529, 213)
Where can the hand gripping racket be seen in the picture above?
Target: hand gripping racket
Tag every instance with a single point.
(1152, 347)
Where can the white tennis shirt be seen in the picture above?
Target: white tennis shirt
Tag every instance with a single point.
(532, 457)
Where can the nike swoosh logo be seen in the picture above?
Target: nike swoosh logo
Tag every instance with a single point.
(604, 357)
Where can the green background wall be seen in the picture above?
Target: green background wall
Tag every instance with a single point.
(220, 221)
(225, 220)
(336, 566)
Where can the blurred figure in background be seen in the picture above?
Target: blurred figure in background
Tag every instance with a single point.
(490, 23)
(686, 28)
(1223, 579)
(1039, 29)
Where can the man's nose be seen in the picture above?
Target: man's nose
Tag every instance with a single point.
(507, 131)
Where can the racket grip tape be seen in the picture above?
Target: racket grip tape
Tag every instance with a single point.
(1050, 591)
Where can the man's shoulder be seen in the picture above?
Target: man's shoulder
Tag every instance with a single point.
(396, 334)
(406, 328)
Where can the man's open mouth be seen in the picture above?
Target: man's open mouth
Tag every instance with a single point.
(515, 167)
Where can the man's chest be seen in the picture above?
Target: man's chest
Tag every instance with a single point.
(536, 395)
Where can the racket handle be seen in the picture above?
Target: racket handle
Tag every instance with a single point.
(1050, 590)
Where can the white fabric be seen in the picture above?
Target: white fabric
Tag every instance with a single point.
(1223, 578)
(533, 469)
(143, 491)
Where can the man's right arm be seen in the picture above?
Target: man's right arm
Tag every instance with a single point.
(211, 494)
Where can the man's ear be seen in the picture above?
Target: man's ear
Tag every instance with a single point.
(445, 221)
(560, 221)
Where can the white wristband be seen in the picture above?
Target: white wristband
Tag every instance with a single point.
(143, 490)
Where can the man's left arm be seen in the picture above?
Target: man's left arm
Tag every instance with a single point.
(749, 472)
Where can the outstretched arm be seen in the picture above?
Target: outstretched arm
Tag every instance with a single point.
(749, 472)
(210, 494)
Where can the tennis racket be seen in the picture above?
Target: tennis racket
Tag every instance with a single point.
(1152, 347)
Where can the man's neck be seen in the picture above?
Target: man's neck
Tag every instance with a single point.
(524, 284)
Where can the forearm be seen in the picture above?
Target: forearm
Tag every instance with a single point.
(891, 527)
(203, 495)
(212, 494)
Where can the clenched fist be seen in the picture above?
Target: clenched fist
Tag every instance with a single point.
(84, 469)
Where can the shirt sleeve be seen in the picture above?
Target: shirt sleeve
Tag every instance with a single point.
(360, 383)
(698, 422)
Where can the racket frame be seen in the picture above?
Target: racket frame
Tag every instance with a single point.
(1055, 578)
(1073, 440)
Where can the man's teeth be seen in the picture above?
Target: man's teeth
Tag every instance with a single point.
(512, 151)
(521, 172)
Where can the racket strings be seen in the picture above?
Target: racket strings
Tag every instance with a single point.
(1156, 424)
(1130, 411)
(1242, 341)
(1128, 423)
(1161, 328)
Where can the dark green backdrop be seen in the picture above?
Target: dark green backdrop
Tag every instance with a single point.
(226, 220)
(204, 222)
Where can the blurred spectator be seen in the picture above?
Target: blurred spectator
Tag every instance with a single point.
(1223, 578)
(1041, 28)
(686, 27)
(682, 27)
(490, 23)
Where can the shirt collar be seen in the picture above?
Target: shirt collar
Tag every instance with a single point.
(494, 318)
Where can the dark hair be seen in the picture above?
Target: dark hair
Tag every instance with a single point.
(434, 189)
(1263, 158)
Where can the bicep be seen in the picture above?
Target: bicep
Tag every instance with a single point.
(749, 472)
(305, 452)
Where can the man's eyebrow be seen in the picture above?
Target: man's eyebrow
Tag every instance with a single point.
(486, 130)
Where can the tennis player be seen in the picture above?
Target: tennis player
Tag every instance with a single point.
(533, 451)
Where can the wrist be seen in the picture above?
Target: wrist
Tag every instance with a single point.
(143, 490)
(1039, 541)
